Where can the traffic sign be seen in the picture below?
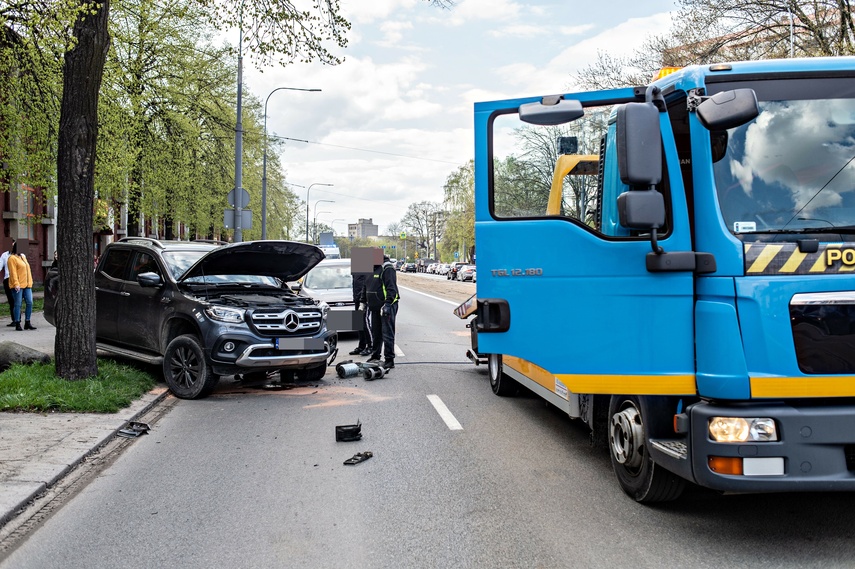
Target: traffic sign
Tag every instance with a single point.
(393, 246)
(245, 219)
(244, 198)
(382, 246)
(403, 235)
(456, 254)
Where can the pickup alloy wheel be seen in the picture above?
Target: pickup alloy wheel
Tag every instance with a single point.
(185, 369)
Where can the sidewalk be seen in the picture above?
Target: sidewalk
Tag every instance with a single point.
(37, 450)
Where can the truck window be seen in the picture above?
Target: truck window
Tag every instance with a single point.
(793, 167)
(557, 172)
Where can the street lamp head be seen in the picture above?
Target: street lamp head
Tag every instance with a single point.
(307, 206)
(264, 167)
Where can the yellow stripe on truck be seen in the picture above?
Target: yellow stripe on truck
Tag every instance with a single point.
(682, 384)
(805, 386)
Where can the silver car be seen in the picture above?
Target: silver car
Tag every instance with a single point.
(331, 281)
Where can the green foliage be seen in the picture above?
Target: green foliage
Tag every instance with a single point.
(459, 212)
(36, 388)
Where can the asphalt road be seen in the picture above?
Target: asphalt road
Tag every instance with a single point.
(253, 477)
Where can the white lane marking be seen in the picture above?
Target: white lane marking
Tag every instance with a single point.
(398, 352)
(453, 424)
(431, 296)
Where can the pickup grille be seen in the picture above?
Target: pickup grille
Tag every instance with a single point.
(288, 322)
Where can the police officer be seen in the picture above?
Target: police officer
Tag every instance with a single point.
(365, 346)
(381, 293)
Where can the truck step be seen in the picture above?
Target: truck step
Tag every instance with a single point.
(677, 449)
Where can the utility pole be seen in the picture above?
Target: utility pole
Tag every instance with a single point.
(239, 140)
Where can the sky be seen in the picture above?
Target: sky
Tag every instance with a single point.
(394, 120)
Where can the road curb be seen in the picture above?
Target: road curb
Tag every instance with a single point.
(24, 503)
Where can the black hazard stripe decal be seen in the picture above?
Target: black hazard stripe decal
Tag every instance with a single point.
(787, 259)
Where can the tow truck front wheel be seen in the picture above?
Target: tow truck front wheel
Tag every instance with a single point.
(640, 477)
(500, 383)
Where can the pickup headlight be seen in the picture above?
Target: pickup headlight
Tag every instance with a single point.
(225, 314)
(324, 307)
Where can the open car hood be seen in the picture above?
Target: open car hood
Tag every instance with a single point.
(286, 260)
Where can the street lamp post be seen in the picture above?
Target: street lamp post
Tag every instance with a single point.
(315, 216)
(264, 161)
(307, 206)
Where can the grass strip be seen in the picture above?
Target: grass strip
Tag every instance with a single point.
(36, 388)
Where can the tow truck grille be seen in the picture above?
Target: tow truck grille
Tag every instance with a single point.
(823, 327)
(849, 452)
(288, 322)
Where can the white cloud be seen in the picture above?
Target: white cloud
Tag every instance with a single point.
(393, 32)
(367, 11)
(575, 30)
(526, 78)
(519, 31)
(389, 102)
(474, 10)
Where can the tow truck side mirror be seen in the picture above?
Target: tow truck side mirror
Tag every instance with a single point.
(641, 209)
(639, 145)
(728, 109)
(639, 156)
(551, 111)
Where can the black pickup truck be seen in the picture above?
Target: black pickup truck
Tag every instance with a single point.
(203, 310)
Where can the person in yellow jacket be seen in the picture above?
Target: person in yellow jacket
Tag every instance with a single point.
(21, 282)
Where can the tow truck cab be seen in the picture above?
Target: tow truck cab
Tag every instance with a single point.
(682, 278)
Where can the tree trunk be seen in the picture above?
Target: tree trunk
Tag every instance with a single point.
(78, 131)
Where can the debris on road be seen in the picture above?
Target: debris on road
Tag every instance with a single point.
(359, 457)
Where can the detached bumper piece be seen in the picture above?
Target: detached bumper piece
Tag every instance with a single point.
(347, 433)
(359, 457)
(133, 430)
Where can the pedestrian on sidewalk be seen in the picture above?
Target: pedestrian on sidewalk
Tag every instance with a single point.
(381, 292)
(10, 297)
(21, 281)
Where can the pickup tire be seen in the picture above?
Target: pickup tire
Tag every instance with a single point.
(641, 478)
(186, 371)
(501, 384)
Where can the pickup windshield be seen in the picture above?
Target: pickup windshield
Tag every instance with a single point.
(791, 170)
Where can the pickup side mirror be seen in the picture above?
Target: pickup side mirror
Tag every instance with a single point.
(641, 209)
(728, 109)
(551, 111)
(149, 280)
(639, 144)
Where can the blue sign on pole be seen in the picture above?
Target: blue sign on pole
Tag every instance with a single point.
(456, 254)
(382, 246)
(393, 246)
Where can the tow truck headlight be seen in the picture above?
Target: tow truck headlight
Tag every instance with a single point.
(742, 429)
(225, 314)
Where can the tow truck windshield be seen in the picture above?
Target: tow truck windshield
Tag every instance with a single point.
(792, 170)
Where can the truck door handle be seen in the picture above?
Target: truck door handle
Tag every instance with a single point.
(494, 315)
(165, 300)
(123, 293)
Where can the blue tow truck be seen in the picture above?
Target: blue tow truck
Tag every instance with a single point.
(674, 265)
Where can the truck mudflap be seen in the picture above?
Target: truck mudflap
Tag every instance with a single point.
(815, 450)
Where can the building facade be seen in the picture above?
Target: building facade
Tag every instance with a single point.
(362, 228)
